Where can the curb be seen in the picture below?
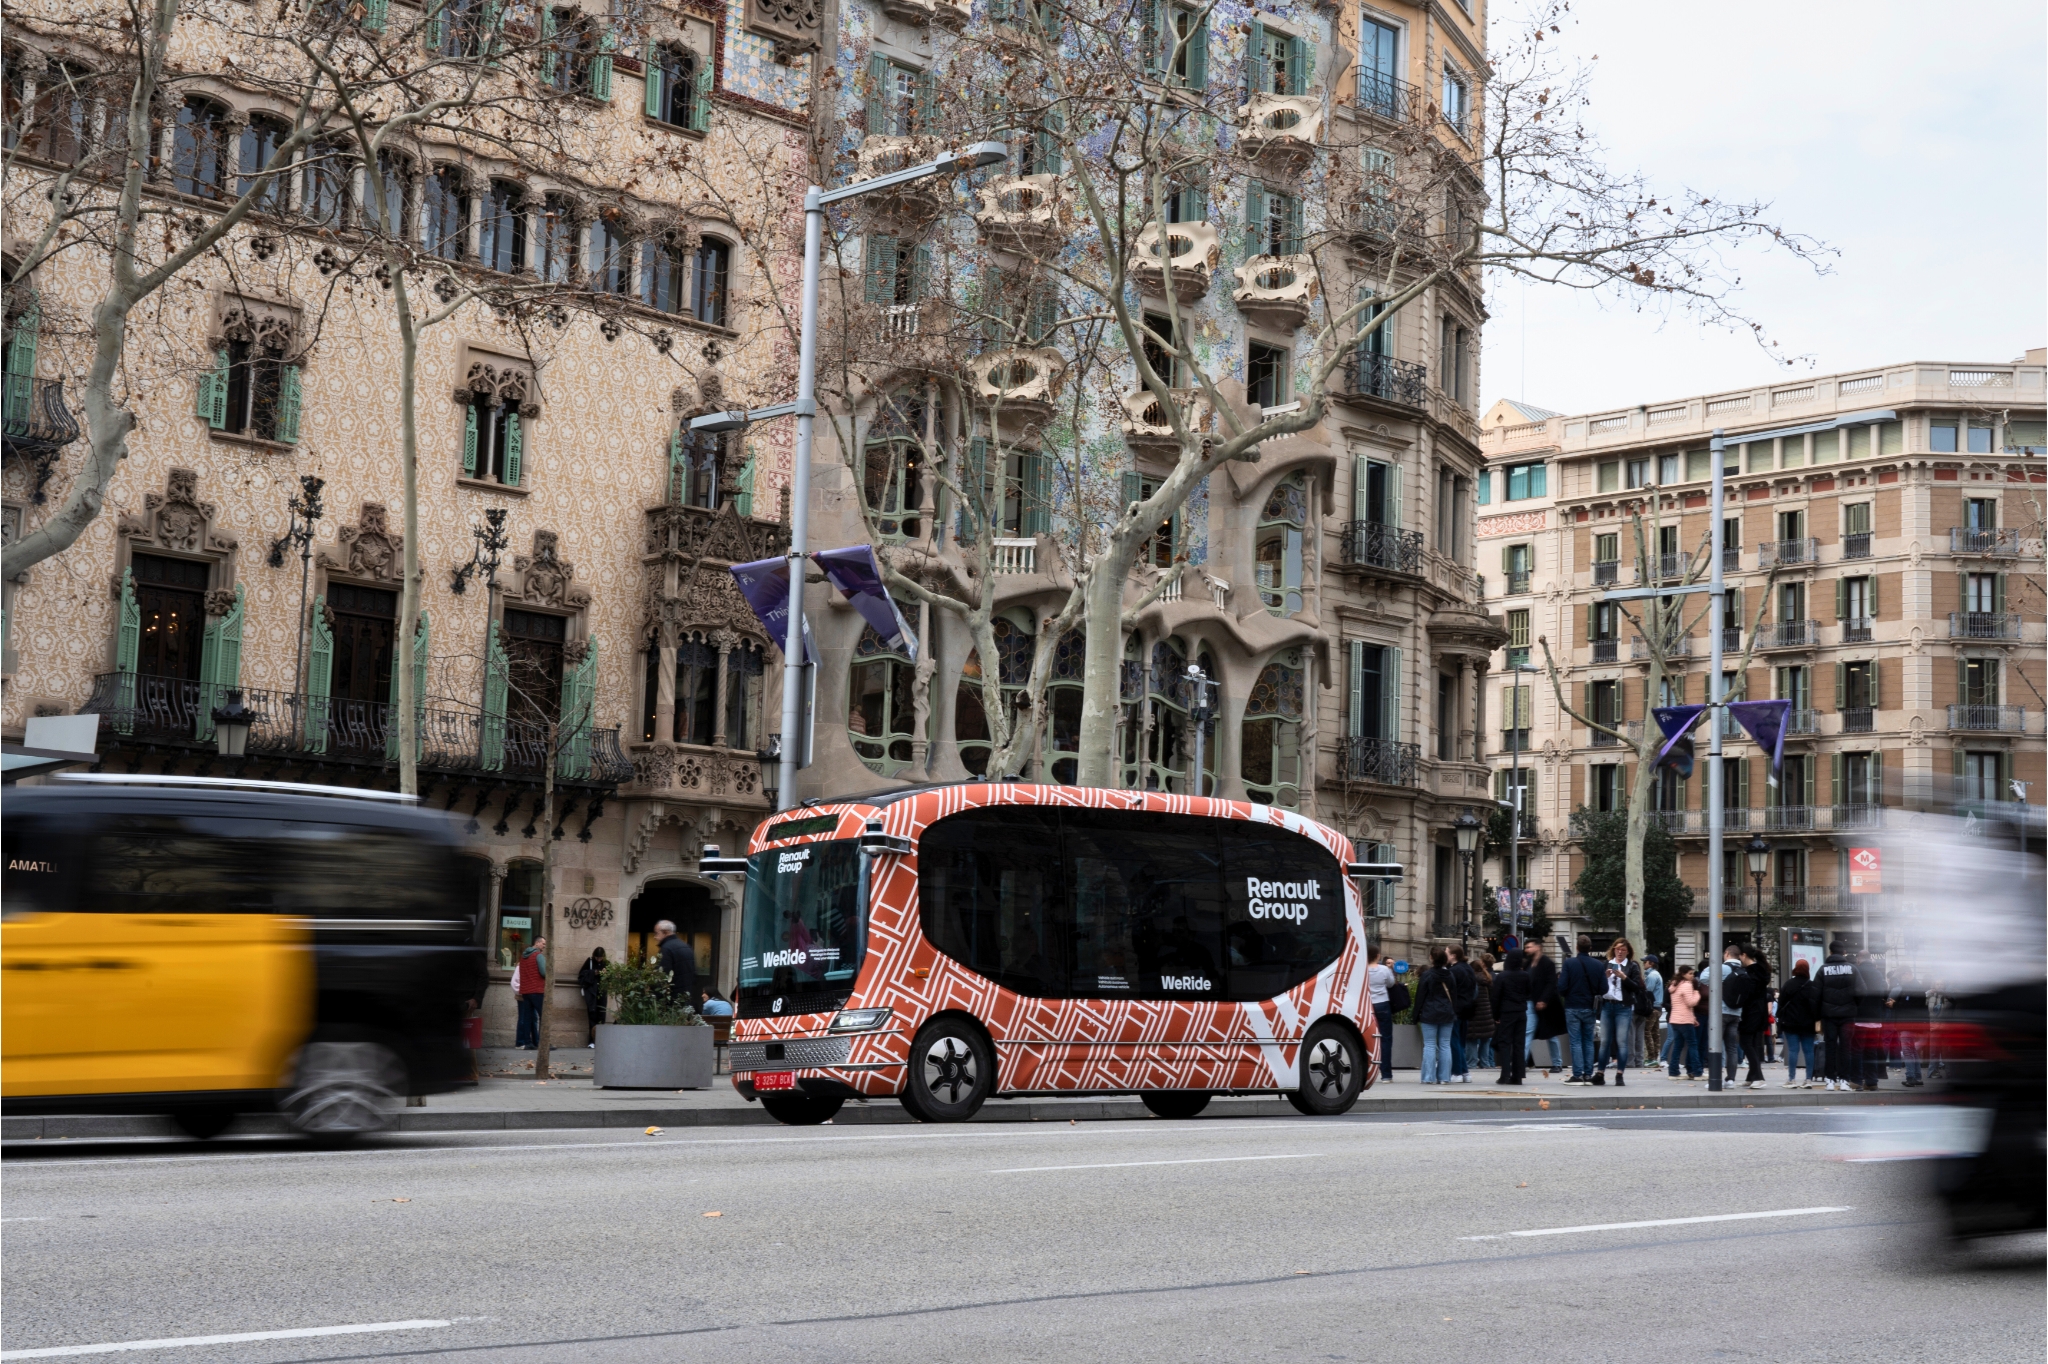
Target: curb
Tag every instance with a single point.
(90, 1127)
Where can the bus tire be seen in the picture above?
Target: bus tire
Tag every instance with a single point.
(1174, 1103)
(345, 1088)
(951, 1072)
(801, 1110)
(1332, 1072)
(203, 1122)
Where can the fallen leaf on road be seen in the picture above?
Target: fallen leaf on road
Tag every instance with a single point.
(1302, 1271)
(401, 1200)
(654, 1131)
(1543, 1103)
(714, 1214)
(1523, 1185)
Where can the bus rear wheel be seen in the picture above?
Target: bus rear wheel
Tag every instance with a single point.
(1332, 1073)
(801, 1110)
(951, 1073)
(1175, 1103)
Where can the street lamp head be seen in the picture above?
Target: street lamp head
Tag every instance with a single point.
(1759, 855)
(770, 759)
(975, 157)
(1466, 827)
(715, 423)
(231, 721)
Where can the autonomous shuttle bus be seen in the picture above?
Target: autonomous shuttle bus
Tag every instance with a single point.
(949, 945)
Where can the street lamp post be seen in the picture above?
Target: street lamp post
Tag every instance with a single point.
(1466, 827)
(770, 759)
(305, 512)
(1201, 709)
(484, 558)
(805, 409)
(1759, 867)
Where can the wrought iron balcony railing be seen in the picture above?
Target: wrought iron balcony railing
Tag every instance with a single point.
(1983, 625)
(1788, 634)
(1387, 97)
(1518, 584)
(1605, 572)
(1670, 567)
(1773, 552)
(163, 710)
(1606, 650)
(1514, 741)
(1731, 559)
(1993, 540)
(1859, 720)
(1856, 631)
(37, 418)
(1731, 639)
(1386, 761)
(1856, 545)
(1388, 379)
(1801, 722)
(1679, 647)
(1988, 719)
(1377, 546)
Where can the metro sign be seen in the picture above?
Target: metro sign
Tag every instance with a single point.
(1865, 873)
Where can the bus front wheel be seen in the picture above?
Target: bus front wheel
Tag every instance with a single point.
(800, 1110)
(1175, 1103)
(1332, 1072)
(951, 1072)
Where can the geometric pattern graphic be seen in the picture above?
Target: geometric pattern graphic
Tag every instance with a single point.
(1065, 1045)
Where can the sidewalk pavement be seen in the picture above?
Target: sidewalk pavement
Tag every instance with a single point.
(514, 1103)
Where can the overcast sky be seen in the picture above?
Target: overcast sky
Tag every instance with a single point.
(1910, 138)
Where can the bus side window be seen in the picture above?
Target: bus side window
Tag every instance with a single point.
(1163, 874)
(1285, 915)
(991, 898)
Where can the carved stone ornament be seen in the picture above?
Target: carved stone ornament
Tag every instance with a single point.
(545, 578)
(219, 602)
(268, 327)
(368, 548)
(509, 382)
(176, 519)
(711, 605)
(793, 25)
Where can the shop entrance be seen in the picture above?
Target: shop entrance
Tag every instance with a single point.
(689, 906)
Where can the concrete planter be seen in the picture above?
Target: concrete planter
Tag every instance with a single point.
(1407, 1046)
(652, 1056)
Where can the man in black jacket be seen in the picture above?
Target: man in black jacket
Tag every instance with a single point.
(679, 963)
(1546, 1011)
(1870, 1010)
(1464, 997)
(1756, 1013)
(1837, 1013)
(1581, 984)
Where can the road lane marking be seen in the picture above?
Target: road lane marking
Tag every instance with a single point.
(181, 1342)
(1126, 1164)
(1660, 1222)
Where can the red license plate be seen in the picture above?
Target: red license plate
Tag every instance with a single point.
(774, 1079)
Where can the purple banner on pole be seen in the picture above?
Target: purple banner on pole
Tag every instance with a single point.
(1677, 723)
(1764, 721)
(853, 571)
(765, 585)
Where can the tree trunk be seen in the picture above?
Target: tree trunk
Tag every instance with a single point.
(547, 897)
(1103, 624)
(409, 597)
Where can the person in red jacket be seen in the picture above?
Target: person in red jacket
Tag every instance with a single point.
(529, 983)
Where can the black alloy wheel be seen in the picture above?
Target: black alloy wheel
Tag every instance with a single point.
(951, 1072)
(1175, 1103)
(1332, 1072)
(801, 1110)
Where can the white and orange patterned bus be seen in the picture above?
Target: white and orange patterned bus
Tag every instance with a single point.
(948, 945)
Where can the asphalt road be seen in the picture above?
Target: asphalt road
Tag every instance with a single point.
(1386, 1239)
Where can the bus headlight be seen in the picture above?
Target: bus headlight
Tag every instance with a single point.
(858, 1020)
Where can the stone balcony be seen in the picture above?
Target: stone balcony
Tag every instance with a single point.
(947, 14)
(1281, 131)
(911, 204)
(1029, 214)
(1192, 252)
(1146, 426)
(1020, 382)
(1276, 291)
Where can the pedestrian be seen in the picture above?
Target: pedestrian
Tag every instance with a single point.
(1837, 1014)
(1379, 978)
(588, 980)
(1798, 1019)
(678, 963)
(1685, 1032)
(1581, 984)
(1546, 1008)
(1510, 1005)
(1868, 1048)
(1646, 1020)
(1734, 986)
(530, 983)
(1621, 990)
(1756, 1013)
(1465, 993)
(1436, 1009)
(1908, 1021)
(1479, 1025)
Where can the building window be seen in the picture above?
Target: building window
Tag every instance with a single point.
(1161, 344)
(1380, 85)
(1856, 686)
(570, 56)
(1604, 703)
(1157, 735)
(260, 141)
(1605, 793)
(678, 87)
(696, 715)
(1980, 513)
(901, 99)
(1177, 45)
(519, 906)
(1525, 481)
(1517, 705)
(1277, 553)
(1276, 63)
(898, 271)
(1981, 777)
(447, 214)
(502, 234)
(534, 643)
(880, 716)
(1014, 647)
(1266, 383)
(1063, 699)
(892, 467)
(1638, 473)
(324, 197)
(493, 445)
(1162, 546)
(659, 280)
(1272, 732)
(460, 28)
(611, 255)
(395, 217)
(198, 150)
(1457, 101)
(1373, 707)
(1273, 222)
(1941, 436)
(1979, 681)
(557, 257)
(710, 274)
(1667, 470)
(60, 127)
(1446, 717)
(1519, 563)
(1518, 638)
(693, 460)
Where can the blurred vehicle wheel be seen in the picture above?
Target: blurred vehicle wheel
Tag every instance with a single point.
(203, 1122)
(1175, 1103)
(345, 1089)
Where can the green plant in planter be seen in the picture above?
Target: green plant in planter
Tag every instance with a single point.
(640, 996)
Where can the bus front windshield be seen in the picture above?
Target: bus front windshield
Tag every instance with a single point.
(801, 934)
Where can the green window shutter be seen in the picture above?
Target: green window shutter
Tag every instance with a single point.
(1134, 490)
(435, 30)
(579, 695)
(288, 404)
(1050, 161)
(1354, 709)
(1394, 496)
(548, 58)
(1586, 700)
(1507, 558)
(494, 30)
(1297, 225)
(654, 73)
(880, 282)
(1841, 685)
(1390, 694)
(1300, 61)
(319, 678)
(601, 65)
(422, 641)
(1037, 494)
(515, 449)
(375, 13)
(1955, 760)
(1835, 762)
(743, 501)
(1876, 670)
(1361, 484)
(497, 675)
(1045, 314)
(469, 441)
(1841, 599)
(213, 393)
(127, 651)
(920, 272)
(1998, 593)
(700, 97)
(924, 109)
(220, 663)
(999, 11)
(678, 467)
(1198, 57)
(21, 345)
(1811, 767)
(878, 95)
(1873, 596)
(1258, 70)
(1255, 229)
(1154, 38)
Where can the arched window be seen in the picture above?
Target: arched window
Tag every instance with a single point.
(650, 695)
(659, 282)
(880, 712)
(611, 255)
(501, 236)
(892, 473)
(1063, 707)
(260, 141)
(395, 173)
(677, 90)
(324, 188)
(1157, 733)
(708, 282)
(971, 731)
(447, 213)
(493, 441)
(693, 459)
(743, 669)
(60, 126)
(198, 153)
(696, 690)
(1272, 731)
(1278, 549)
(557, 256)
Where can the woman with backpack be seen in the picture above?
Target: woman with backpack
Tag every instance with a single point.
(1436, 1009)
(1479, 1026)
(1798, 1021)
